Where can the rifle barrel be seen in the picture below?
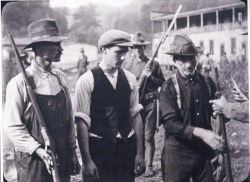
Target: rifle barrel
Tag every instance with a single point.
(54, 170)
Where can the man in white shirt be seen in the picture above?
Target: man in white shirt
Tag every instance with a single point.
(52, 95)
(109, 125)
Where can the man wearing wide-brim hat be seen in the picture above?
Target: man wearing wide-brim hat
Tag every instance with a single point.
(155, 78)
(52, 94)
(109, 126)
(185, 115)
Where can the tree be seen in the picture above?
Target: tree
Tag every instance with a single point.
(16, 16)
(86, 26)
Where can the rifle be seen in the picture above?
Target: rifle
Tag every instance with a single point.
(158, 112)
(238, 90)
(46, 137)
(220, 119)
(143, 79)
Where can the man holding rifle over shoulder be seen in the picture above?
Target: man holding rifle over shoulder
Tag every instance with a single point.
(148, 96)
(51, 92)
(185, 115)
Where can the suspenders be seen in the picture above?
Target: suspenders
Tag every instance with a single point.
(177, 88)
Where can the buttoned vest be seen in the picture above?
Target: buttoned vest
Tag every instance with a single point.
(109, 110)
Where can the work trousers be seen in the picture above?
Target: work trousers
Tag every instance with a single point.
(115, 161)
(181, 165)
(148, 115)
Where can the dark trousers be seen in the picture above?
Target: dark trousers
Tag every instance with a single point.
(180, 165)
(114, 161)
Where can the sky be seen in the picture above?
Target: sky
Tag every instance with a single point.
(77, 3)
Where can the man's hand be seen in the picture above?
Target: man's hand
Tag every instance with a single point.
(210, 138)
(139, 165)
(47, 159)
(218, 105)
(147, 72)
(238, 97)
(75, 164)
(90, 171)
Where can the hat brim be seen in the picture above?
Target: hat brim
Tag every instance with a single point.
(49, 39)
(124, 44)
(198, 50)
(141, 43)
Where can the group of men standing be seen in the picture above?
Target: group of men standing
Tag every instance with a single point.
(112, 117)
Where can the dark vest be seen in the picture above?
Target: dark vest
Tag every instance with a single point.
(109, 111)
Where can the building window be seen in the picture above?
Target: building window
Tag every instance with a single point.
(233, 45)
(241, 14)
(169, 22)
(181, 23)
(209, 19)
(195, 21)
(225, 16)
(201, 44)
(211, 47)
(222, 49)
(157, 26)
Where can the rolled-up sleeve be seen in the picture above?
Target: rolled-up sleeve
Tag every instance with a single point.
(135, 107)
(170, 115)
(237, 111)
(82, 97)
(16, 96)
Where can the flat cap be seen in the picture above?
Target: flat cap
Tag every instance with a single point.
(115, 38)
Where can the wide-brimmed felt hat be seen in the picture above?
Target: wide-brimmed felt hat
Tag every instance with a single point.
(139, 39)
(183, 46)
(44, 30)
(115, 38)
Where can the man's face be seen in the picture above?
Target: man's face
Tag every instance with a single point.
(186, 65)
(139, 50)
(51, 51)
(115, 56)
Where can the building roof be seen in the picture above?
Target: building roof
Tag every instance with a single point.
(168, 7)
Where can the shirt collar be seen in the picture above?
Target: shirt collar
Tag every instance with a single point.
(40, 71)
(143, 59)
(185, 80)
(103, 67)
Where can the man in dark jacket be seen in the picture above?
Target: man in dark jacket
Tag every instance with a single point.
(148, 94)
(185, 115)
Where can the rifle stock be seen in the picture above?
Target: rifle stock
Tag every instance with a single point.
(53, 163)
(143, 79)
(220, 119)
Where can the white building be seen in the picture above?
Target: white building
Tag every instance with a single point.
(216, 25)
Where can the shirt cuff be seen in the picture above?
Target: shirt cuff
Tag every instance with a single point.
(188, 132)
(32, 148)
(133, 111)
(85, 117)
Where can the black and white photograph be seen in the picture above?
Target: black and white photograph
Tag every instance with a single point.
(124, 91)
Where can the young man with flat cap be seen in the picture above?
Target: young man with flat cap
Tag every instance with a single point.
(109, 126)
(52, 94)
(155, 79)
(185, 115)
